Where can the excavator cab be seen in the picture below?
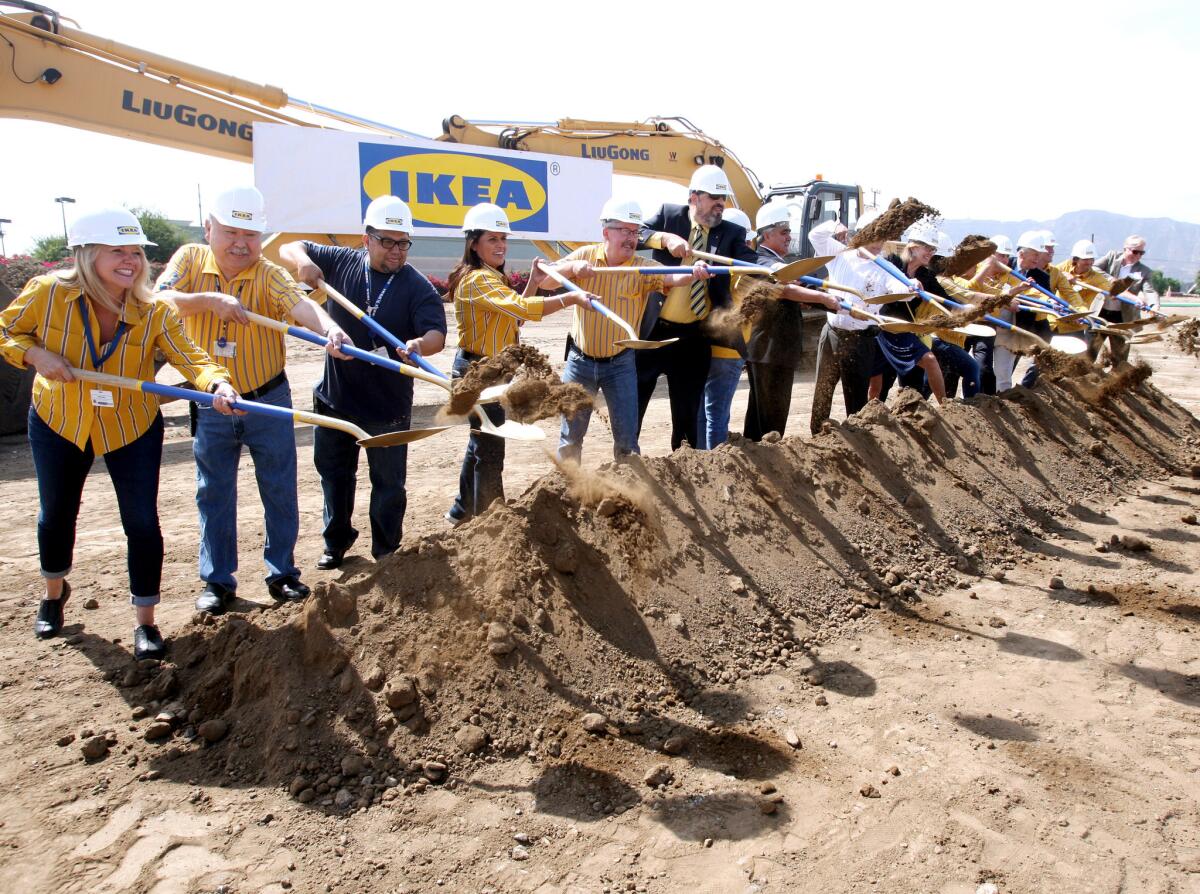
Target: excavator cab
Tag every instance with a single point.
(813, 203)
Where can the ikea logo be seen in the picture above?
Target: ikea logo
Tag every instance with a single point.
(439, 185)
(129, 231)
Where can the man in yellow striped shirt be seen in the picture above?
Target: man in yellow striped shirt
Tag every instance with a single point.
(594, 359)
(213, 286)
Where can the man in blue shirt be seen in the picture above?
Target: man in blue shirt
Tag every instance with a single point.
(377, 279)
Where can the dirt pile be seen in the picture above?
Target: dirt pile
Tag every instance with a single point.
(892, 223)
(602, 618)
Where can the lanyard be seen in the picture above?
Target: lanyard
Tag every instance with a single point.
(98, 358)
(373, 304)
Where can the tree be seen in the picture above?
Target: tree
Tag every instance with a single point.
(1159, 282)
(158, 229)
(50, 248)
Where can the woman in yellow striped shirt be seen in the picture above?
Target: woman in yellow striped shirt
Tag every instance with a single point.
(488, 313)
(100, 316)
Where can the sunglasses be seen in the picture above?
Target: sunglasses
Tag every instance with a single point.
(1136, 251)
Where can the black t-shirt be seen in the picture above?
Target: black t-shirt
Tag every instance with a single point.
(406, 305)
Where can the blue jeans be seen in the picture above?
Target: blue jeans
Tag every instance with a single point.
(218, 449)
(62, 468)
(617, 379)
(481, 480)
(724, 373)
(954, 359)
(335, 454)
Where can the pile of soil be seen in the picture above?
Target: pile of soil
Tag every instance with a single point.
(892, 223)
(631, 603)
(971, 251)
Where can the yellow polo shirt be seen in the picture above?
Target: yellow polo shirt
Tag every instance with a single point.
(625, 294)
(47, 313)
(487, 311)
(263, 288)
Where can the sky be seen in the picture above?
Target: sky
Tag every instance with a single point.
(998, 111)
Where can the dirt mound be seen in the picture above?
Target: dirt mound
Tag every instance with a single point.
(602, 618)
(493, 371)
(971, 251)
(893, 222)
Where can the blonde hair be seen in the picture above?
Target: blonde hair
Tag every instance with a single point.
(83, 276)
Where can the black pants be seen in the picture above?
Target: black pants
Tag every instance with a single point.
(481, 479)
(845, 355)
(770, 399)
(685, 364)
(1118, 347)
(981, 348)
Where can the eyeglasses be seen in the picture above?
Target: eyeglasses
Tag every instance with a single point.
(1136, 251)
(388, 244)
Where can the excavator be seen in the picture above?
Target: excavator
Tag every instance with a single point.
(60, 74)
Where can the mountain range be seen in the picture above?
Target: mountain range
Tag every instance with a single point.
(1172, 246)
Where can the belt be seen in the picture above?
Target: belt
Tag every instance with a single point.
(258, 392)
(575, 349)
(469, 355)
(682, 328)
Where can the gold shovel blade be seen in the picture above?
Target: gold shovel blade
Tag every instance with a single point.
(493, 393)
(641, 345)
(914, 328)
(395, 438)
(797, 269)
(888, 299)
(976, 329)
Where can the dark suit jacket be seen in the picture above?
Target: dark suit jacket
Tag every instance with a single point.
(1111, 264)
(725, 238)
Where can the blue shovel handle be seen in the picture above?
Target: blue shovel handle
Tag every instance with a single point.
(891, 268)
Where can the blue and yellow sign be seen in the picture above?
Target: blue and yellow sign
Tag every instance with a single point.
(439, 185)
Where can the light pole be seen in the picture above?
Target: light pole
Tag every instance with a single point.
(63, 201)
(3, 221)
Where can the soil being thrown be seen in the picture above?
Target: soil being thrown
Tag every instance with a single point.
(1187, 337)
(892, 223)
(967, 315)
(970, 252)
(645, 593)
(493, 371)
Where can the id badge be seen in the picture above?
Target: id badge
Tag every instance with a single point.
(225, 349)
(102, 398)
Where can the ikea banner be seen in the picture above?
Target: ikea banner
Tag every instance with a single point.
(321, 181)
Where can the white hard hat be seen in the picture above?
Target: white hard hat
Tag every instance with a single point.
(389, 213)
(868, 217)
(1084, 248)
(739, 217)
(242, 208)
(945, 245)
(106, 226)
(1032, 239)
(770, 215)
(1049, 238)
(710, 179)
(1003, 244)
(486, 217)
(623, 210)
(922, 232)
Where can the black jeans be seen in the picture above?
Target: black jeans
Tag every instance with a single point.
(981, 348)
(481, 480)
(685, 364)
(62, 468)
(847, 355)
(770, 399)
(335, 455)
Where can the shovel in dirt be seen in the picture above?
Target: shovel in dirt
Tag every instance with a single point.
(516, 431)
(390, 439)
(633, 341)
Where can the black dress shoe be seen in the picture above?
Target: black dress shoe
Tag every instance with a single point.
(214, 599)
(148, 643)
(50, 615)
(331, 558)
(288, 589)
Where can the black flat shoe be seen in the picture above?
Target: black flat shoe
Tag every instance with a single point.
(331, 558)
(49, 620)
(214, 599)
(288, 589)
(148, 643)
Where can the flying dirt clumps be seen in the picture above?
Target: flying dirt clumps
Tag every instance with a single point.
(753, 296)
(892, 223)
(969, 314)
(1055, 365)
(1187, 338)
(531, 398)
(493, 371)
(970, 252)
(1127, 378)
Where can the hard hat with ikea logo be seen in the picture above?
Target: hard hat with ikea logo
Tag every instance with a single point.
(488, 217)
(771, 215)
(242, 208)
(623, 211)
(710, 179)
(389, 213)
(106, 226)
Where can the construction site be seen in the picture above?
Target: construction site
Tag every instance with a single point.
(934, 647)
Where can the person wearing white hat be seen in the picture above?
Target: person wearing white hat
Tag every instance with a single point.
(672, 233)
(1077, 272)
(1122, 263)
(213, 286)
(489, 313)
(100, 316)
(1034, 250)
(594, 359)
(847, 349)
(378, 279)
(742, 219)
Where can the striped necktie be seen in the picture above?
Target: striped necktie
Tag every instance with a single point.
(698, 296)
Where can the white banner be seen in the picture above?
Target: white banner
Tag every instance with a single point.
(321, 181)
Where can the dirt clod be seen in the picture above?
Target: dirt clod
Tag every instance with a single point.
(892, 223)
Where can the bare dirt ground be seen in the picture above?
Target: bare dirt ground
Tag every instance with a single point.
(903, 656)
